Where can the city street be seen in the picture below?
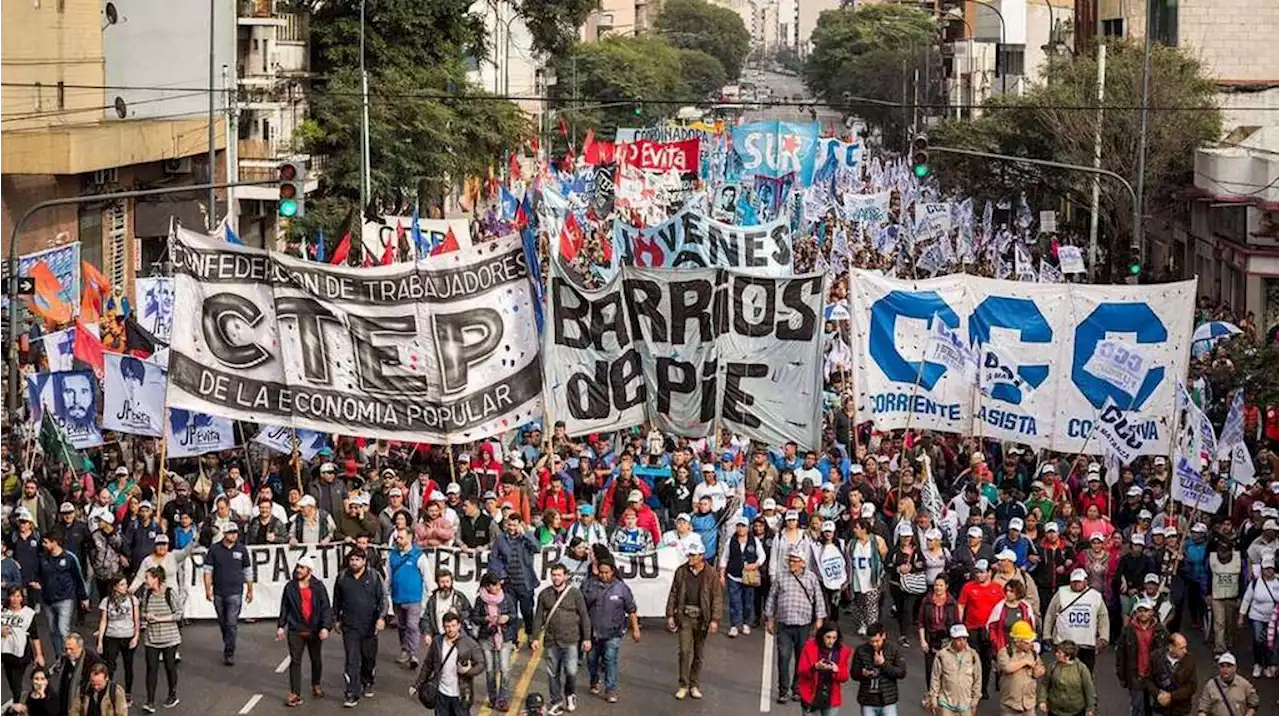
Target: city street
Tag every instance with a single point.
(732, 678)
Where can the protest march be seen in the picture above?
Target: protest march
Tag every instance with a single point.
(755, 384)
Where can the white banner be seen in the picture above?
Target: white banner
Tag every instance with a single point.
(153, 305)
(435, 232)
(873, 208)
(71, 399)
(280, 439)
(1071, 260)
(1043, 334)
(1192, 489)
(189, 434)
(133, 395)
(280, 341)
(1118, 436)
(686, 350)
(58, 348)
(692, 240)
(649, 576)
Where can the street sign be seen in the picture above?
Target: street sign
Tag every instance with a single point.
(26, 286)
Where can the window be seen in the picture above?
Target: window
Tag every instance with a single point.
(1163, 19)
(1013, 60)
(1113, 28)
(1229, 221)
(62, 95)
(39, 98)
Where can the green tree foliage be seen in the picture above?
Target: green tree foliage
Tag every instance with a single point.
(788, 60)
(426, 124)
(702, 74)
(699, 25)
(872, 51)
(620, 72)
(1055, 120)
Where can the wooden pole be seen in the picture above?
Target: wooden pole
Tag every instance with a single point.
(296, 459)
(162, 468)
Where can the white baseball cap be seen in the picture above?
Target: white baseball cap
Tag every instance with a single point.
(1134, 491)
(958, 631)
(307, 501)
(1151, 578)
(1159, 461)
(436, 496)
(974, 531)
(1051, 527)
(1199, 527)
(695, 547)
(1095, 467)
(1270, 525)
(769, 504)
(981, 565)
(122, 470)
(868, 510)
(683, 517)
(22, 514)
(828, 526)
(790, 515)
(1007, 555)
(1227, 657)
(1145, 603)
(1097, 537)
(635, 496)
(305, 561)
(933, 533)
(1144, 514)
(903, 530)
(1137, 539)
(1016, 524)
(107, 518)
(1079, 575)
(453, 488)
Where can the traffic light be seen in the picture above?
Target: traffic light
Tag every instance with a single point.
(292, 190)
(1134, 266)
(637, 109)
(920, 156)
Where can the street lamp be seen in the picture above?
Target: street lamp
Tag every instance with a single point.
(1001, 52)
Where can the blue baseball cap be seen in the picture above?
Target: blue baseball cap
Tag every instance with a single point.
(586, 510)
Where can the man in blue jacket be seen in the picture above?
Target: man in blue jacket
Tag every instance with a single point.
(511, 560)
(407, 572)
(61, 585)
(359, 601)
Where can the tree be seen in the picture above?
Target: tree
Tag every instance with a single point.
(702, 74)
(619, 72)
(788, 60)
(426, 123)
(873, 51)
(1056, 120)
(699, 25)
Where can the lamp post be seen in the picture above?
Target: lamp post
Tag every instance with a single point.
(1000, 49)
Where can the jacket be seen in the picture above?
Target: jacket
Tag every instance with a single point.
(1127, 652)
(569, 624)
(1017, 688)
(710, 595)
(359, 602)
(807, 677)
(957, 678)
(255, 532)
(1068, 689)
(113, 702)
(511, 559)
(880, 688)
(67, 679)
(291, 608)
(484, 632)
(1240, 694)
(458, 604)
(468, 652)
(329, 496)
(105, 555)
(61, 578)
(1180, 681)
(350, 527)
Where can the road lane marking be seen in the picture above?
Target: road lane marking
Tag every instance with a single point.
(253, 701)
(283, 665)
(766, 674)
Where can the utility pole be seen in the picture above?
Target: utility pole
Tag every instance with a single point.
(365, 189)
(1137, 241)
(1097, 160)
(212, 219)
(230, 155)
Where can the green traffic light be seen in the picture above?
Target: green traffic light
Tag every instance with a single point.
(1135, 268)
(288, 208)
(637, 111)
(920, 170)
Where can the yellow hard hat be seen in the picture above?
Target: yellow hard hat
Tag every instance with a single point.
(1021, 630)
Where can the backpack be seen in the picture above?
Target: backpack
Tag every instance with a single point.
(145, 598)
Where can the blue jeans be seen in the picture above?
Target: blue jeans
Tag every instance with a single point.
(227, 609)
(742, 604)
(497, 672)
(59, 616)
(606, 651)
(1262, 654)
(526, 605)
(890, 710)
(562, 660)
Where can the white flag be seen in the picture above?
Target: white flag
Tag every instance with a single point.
(1119, 363)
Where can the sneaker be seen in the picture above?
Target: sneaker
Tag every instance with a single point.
(595, 689)
(782, 697)
(229, 660)
(174, 701)
(350, 703)
(733, 632)
(746, 629)
(904, 642)
(862, 631)
(128, 700)
(403, 658)
(414, 664)
(1270, 671)
(695, 692)
(368, 691)
(1257, 671)
(611, 697)
(149, 707)
(555, 709)
(681, 693)
(177, 657)
(293, 701)
(571, 703)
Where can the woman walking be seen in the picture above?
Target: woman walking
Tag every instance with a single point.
(20, 640)
(907, 580)
(823, 668)
(938, 611)
(40, 700)
(161, 611)
(494, 619)
(119, 628)
(866, 574)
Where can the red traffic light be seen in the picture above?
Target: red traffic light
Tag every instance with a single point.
(288, 172)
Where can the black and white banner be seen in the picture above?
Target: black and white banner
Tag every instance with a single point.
(687, 350)
(442, 349)
(132, 395)
(693, 240)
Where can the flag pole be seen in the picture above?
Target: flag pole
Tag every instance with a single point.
(163, 467)
(296, 458)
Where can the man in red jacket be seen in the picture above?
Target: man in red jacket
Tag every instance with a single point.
(555, 497)
(646, 519)
(977, 599)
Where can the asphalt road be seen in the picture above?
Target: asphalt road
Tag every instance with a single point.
(783, 88)
(732, 679)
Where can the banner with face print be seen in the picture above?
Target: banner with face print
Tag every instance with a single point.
(71, 399)
(1038, 347)
(442, 349)
(153, 304)
(190, 434)
(133, 395)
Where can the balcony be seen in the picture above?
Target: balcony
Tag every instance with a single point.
(258, 12)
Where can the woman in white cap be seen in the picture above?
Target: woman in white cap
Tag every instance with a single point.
(741, 565)
(830, 565)
(1259, 606)
(907, 579)
(791, 536)
(867, 552)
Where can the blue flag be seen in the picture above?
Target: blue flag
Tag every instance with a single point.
(230, 234)
(419, 241)
(320, 250)
(509, 206)
(1233, 429)
(529, 238)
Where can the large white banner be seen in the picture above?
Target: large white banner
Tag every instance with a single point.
(189, 434)
(1039, 337)
(649, 576)
(693, 240)
(133, 395)
(71, 400)
(442, 349)
(280, 439)
(687, 350)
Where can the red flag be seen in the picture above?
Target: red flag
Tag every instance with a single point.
(568, 247)
(564, 127)
(588, 145)
(450, 243)
(513, 166)
(46, 302)
(96, 288)
(341, 253)
(87, 348)
(389, 254)
(535, 145)
(606, 245)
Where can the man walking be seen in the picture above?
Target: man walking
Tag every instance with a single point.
(359, 600)
(956, 686)
(693, 609)
(228, 572)
(448, 668)
(61, 585)
(1228, 694)
(1079, 613)
(1140, 640)
(407, 572)
(612, 610)
(562, 625)
(878, 666)
(793, 612)
(305, 619)
(1019, 670)
(511, 559)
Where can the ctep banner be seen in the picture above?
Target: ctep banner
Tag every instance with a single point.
(692, 240)
(687, 350)
(1049, 333)
(443, 349)
(649, 576)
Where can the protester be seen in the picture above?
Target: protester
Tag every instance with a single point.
(61, 586)
(877, 666)
(1228, 694)
(1067, 687)
(1141, 639)
(443, 600)
(451, 663)
(611, 610)
(1019, 671)
(955, 686)
(977, 600)
(1173, 680)
(563, 629)
(496, 620)
(408, 572)
(1078, 613)
(161, 610)
(39, 700)
(794, 610)
(306, 616)
(359, 601)
(742, 563)
(228, 584)
(101, 696)
(511, 560)
(693, 610)
(20, 644)
(119, 629)
(824, 667)
(1258, 606)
